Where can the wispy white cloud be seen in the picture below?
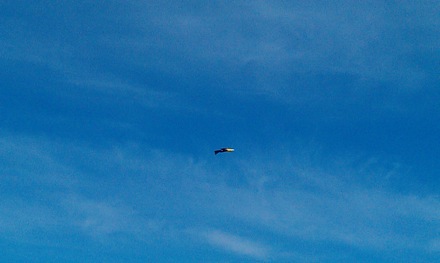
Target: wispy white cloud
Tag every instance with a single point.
(340, 37)
(328, 209)
(366, 39)
(33, 161)
(104, 219)
(150, 193)
(99, 220)
(237, 244)
(256, 47)
(306, 201)
(52, 193)
(301, 55)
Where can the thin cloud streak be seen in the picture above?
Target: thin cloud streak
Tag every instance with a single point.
(337, 212)
(236, 244)
(272, 51)
(320, 207)
(312, 205)
(58, 190)
(301, 37)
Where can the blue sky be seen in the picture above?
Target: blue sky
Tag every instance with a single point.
(110, 113)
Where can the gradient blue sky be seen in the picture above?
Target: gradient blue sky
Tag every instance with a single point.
(110, 112)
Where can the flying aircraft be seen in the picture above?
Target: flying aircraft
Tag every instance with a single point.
(223, 150)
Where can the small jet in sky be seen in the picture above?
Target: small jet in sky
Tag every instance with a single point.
(223, 150)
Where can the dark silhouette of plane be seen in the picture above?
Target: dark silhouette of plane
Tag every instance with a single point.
(223, 150)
